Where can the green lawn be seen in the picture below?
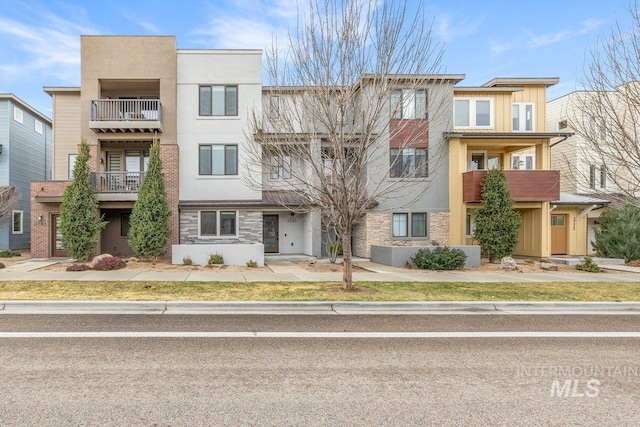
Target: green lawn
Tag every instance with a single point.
(320, 291)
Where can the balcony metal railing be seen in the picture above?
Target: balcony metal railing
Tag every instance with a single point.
(126, 110)
(117, 182)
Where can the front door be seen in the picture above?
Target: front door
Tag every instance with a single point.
(57, 250)
(558, 234)
(270, 233)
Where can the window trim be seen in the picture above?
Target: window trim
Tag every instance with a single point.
(394, 163)
(592, 176)
(218, 229)
(398, 104)
(470, 155)
(409, 226)
(280, 167)
(18, 115)
(38, 127)
(13, 222)
(71, 165)
(603, 176)
(522, 119)
(523, 158)
(237, 149)
(473, 118)
(226, 91)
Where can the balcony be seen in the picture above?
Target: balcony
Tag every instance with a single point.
(126, 115)
(524, 185)
(117, 182)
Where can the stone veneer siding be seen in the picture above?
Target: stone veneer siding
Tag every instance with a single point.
(249, 228)
(375, 229)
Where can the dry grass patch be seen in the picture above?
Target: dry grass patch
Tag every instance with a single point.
(318, 291)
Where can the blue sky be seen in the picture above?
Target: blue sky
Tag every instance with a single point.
(39, 40)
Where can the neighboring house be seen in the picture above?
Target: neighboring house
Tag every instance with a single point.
(25, 156)
(502, 124)
(127, 98)
(585, 181)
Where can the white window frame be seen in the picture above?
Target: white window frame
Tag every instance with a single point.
(218, 234)
(18, 115)
(13, 222)
(523, 158)
(72, 163)
(472, 101)
(38, 127)
(522, 117)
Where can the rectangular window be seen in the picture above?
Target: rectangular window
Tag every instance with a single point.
(227, 223)
(408, 162)
(473, 112)
(562, 124)
(419, 225)
(592, 176)
(522, 117)
(274, 107)
(409, 104)
(218, 101)
(218, 223)
(72, 164)
(400, 224)
(37, 126)
(603, 176)
(208, 223)
(476, 161)
(125, 225)
(280, 167)
(218, 160)
(18, 217)
(17, 114)
(523, 161)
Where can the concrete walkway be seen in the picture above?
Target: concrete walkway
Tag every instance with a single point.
(289, 272)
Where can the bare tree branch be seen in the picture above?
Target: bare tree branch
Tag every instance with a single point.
(347, 117)
(9, 198)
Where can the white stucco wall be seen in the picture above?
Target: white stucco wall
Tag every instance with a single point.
(215, 67)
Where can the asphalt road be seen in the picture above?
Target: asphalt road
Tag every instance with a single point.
(176, 381)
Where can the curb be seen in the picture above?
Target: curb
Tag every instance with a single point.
(317, 307)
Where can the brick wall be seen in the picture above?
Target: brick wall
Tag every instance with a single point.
(40, 230)
(170, 168)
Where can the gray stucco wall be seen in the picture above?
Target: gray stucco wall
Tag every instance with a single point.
(398, 256)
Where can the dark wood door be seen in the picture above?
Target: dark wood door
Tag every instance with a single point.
(558, 234)
(57, 250)
(270, 236)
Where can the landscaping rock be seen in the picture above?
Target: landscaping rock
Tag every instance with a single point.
(98, 258)
(508, 263)
(548, 266)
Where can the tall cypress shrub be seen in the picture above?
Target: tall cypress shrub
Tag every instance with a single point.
(80, 221)
(618, 235)
(149, 231)
(497, 224)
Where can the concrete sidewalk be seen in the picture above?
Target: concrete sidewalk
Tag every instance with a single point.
(285, 273)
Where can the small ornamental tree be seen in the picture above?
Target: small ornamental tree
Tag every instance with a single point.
(619, 233)
(497, 224)
(80, 221)
(149, 231)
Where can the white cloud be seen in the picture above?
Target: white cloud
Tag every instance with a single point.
(43, 43)
(542, 40)
(146, 25)
(447, 30)
(497, 47)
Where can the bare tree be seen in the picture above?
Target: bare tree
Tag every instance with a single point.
(9, 198)
(346, 119)
(606, 115)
